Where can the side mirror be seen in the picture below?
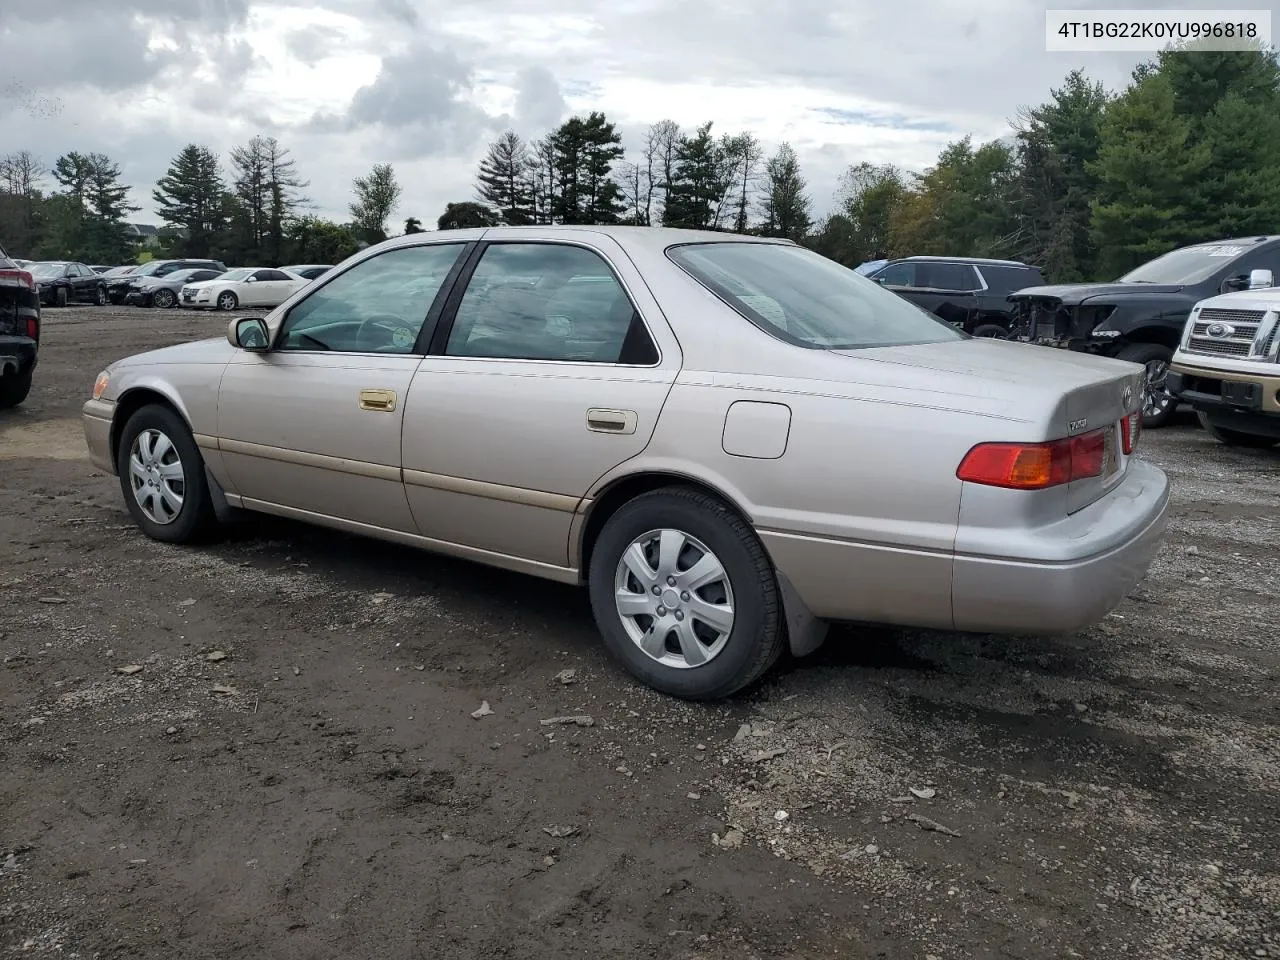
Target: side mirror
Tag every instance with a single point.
(1232, 284)
(1259, 279)
(250, 279)
(249, 333)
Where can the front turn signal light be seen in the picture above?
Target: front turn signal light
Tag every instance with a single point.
(100, 385)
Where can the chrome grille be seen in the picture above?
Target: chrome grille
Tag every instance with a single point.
(1238, 342)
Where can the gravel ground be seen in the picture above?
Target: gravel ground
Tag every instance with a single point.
(266, 748)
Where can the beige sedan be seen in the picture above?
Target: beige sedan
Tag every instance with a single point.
(731, 441)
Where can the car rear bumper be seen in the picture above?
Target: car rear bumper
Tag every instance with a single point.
(1064, 578)
(1090, 563)
(97, 433)
(17, 354)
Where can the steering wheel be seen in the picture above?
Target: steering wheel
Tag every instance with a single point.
(382, 330)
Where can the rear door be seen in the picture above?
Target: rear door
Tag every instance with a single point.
(550, 368)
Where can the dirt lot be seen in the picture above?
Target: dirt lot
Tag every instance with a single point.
(295, 771)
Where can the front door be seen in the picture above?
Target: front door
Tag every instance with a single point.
(543, 377)
(314, 424)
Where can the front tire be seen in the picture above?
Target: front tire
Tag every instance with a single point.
(992, 331)
(228, 300)
(100, 298)
(164, 299)
(60, 297)
(162, 476)
(1158, 404)
(14, 388)
(685, 596)
(1235, 438)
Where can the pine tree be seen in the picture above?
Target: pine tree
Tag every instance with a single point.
(190, 196)
(505, 181)
(583, 153)
(377, 196)
(785, 203)
(268, 189)
(699, 181)
(1147, 169)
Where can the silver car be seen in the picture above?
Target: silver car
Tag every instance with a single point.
(731, 441)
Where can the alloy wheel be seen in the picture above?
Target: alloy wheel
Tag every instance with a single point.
(1155, 398)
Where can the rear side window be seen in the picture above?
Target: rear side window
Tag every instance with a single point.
(947, 276)
(548, 301)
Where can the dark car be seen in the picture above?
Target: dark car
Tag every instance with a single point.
(310, 271)
(967, 292)
(60, 282)
(19, 331)
(163, 291)
(118, 287)
(1140, 317)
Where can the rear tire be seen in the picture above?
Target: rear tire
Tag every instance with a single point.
(1158, 405)
(1235, 438)
(676, 649)
(14, 388)
(156, 449)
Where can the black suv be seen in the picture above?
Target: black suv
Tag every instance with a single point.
(1140, 317)
(19, 331)
(967, 292)
(118, 287)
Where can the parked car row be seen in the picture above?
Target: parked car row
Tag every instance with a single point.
(201, 284)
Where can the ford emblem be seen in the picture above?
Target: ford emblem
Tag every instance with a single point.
(1220, 330)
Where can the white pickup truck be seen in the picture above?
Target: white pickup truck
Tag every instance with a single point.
(1227, 366)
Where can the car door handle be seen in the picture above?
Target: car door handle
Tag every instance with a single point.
(600, 420)
(383, 400)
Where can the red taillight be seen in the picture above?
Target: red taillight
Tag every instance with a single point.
(1035, 466)
(22, 276)
(1130, 431)
(33, 328)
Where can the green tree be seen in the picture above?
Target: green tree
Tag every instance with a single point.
(21, 201)
(784, 204)
(1057, 144)
(316, 240)
(268, 190)
(377, 196)
(743, 156)
(190, 196)
(412, 225)
(869, 196)
(505, 180)
(1147, 169)
(699, 181)
(583, 152)
(108, 204)
(459, 216)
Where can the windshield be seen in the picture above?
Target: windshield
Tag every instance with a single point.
(235, 274)
(119, 271)
(1188, 265)
(48, 269)
(181, 276)
(807, 300)
(147, 269)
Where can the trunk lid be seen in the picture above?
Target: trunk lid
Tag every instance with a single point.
(1070, 394)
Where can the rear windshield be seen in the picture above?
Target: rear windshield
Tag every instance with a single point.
(805, 299)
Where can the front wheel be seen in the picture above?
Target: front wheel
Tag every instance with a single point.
(60, 297)
(1234, 438)
(164, 299)
(1158, 404)
(162, 476)
(228, 300)
(100, 296)
(991, 331)
(685, 596)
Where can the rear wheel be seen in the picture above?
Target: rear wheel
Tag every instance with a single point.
(162, 476)
(1235, 438)
(685, 596)
(1158, 404)
(14, 388)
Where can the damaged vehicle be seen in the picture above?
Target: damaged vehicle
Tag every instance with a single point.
(729, 441)
(19, 331)
(1140, 317)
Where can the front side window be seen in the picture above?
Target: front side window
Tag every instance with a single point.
(806, 300)
(377, 306)
(898, 275)
(548, 301)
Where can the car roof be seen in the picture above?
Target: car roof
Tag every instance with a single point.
(651, 238)
(1236, 241)
(984, 261)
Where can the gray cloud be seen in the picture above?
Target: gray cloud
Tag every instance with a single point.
(539, 103)
(314, 42)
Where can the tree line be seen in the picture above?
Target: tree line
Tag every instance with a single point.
(253, 209)
(1087, 184)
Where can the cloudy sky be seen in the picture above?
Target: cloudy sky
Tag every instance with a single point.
(426, 84)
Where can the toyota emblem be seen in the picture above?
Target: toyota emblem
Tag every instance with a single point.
(1220, 330)
(1126, 395)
